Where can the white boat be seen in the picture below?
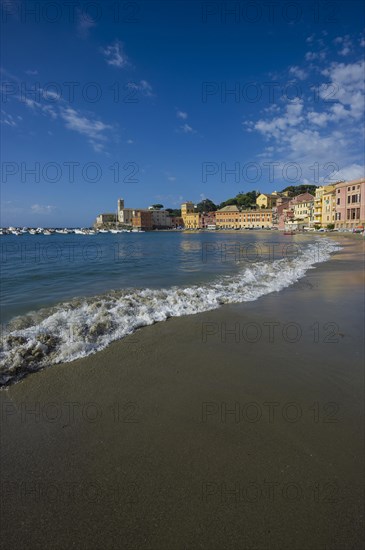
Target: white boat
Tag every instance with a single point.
(46, 232)
(79, 232)
(62, 231)
(32, 232)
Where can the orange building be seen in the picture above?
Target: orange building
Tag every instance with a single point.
(142, 219)
(230, 217)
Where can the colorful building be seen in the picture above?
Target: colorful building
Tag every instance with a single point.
(142, 220)
(231, 217)
(350, 204)
(207, 219)
(323, 208)
(190, 216)
(161, 219)
(105, 220)
(177, 222)
(267, 200)
(328, 206)
(296, 212)
(228, 217)
(302, 214)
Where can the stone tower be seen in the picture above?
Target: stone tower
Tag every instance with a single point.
(120, 205)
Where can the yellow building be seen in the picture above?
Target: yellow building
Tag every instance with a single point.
(328, 205)
(192, 221)
(267, 200)
(324, 206)
(256, 218)
(190, 216)
(230, 217)
(302, 215)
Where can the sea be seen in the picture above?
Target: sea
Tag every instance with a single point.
(66, 296)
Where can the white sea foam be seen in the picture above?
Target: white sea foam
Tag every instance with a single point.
(83, 326)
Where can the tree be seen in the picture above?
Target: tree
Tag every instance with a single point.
(176, 212)
(295, 190)
(206, 205)
(330, 226)
(157, 206)
(228, 202)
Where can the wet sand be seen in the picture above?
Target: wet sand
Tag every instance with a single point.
(187, 436)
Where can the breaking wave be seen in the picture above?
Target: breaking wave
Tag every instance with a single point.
(77, 328)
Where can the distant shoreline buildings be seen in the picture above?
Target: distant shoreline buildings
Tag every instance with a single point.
(336, 206)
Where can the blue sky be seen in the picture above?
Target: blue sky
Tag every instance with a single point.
(173, 101)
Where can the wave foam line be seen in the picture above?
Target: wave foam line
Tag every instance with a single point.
(80, 327)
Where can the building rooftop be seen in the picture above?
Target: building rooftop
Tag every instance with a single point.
(231, 208)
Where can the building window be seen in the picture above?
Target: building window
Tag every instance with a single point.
(338, 201)
(353, 188)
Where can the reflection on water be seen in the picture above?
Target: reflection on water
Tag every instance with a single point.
(37, 272)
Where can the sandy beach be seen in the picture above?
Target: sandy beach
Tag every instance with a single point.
(238, 428)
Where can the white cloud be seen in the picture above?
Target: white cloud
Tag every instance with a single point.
(142, 86)
(345, 43)
(182, 115)
(130, 141)
(31, 72)
(328, 133)
(347, 81)
(187, 129)
(94, 130)
(8, 119)
(115, 56)
(47, 110)
(275, 127)
(311, 56)
(351, 172)
(42, 209)
(84, 23)
(298, 72)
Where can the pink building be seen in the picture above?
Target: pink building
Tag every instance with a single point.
(207, 218)
(285, 208)
(350, 204)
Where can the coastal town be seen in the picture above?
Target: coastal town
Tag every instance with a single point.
(338, 206)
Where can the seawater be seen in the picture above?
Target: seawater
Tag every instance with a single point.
(66, 296)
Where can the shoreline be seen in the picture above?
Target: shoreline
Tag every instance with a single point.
(47, 349)
(155, 420)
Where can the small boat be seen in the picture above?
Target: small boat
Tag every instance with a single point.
(46, 232)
